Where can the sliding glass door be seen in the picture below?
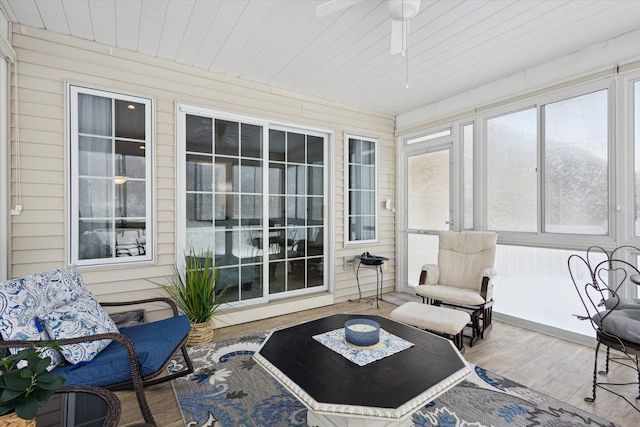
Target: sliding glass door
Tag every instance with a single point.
(254, 195)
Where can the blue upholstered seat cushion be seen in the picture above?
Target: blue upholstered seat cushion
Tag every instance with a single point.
(81, 318)
(155, 343)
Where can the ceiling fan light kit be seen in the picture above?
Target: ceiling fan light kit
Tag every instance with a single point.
(400, 11)
(403, 10)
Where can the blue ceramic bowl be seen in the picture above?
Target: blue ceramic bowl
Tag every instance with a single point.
(362, 332)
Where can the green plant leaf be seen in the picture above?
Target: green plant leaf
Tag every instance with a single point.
(26, 372)
(41, 364)
(27, 408)
(8, 395)
(47, 377)
(51, 383)
(15, 381)
(5, 407)
(25, 353)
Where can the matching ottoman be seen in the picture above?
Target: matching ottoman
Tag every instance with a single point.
(442, 320)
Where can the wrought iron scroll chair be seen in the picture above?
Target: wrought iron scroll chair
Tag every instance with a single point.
(54, 307)
(463, 277)
(597, 278)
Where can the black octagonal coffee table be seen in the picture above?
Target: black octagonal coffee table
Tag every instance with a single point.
(338, 392)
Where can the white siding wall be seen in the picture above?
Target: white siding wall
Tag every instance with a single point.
(47, 61)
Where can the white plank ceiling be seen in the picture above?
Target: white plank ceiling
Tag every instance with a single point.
(454, 45)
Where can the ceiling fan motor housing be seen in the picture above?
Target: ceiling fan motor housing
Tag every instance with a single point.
(403, 10)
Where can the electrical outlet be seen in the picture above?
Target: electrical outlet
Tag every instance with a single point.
(348, 263)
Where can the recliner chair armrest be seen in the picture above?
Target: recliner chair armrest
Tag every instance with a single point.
(489, 272)
(429, 275)
(486, 289)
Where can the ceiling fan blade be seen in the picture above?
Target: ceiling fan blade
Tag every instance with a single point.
(333, 6)
(399, 31)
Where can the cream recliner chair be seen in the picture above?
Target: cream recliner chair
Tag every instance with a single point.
(463, 276)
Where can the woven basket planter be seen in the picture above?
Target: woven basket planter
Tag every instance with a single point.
(12, 420)
(201, 333)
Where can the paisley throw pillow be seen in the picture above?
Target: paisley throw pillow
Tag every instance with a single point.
(23, 299)
(82, 317)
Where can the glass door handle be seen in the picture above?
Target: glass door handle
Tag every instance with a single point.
(449, 222)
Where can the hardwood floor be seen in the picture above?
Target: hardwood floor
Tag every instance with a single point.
(558, 368)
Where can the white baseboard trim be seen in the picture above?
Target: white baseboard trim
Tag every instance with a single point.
(546, 329)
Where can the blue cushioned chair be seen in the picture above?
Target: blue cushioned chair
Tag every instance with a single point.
(137, 356)
(153, 344)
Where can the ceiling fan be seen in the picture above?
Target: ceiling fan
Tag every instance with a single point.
(401, 11)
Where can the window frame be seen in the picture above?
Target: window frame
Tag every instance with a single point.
(348, 241)
(630, 151)
(73, 92)
(485, 164)
(468, 171)
(539, 237)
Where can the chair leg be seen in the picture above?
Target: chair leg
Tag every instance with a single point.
(458, 341)
(595, 376)
(606, 365)
(475, 327)
(638, 371)
(486, 321)
(136, 379)
(144, 406)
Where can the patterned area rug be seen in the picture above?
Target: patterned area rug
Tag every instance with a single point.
(228, 389)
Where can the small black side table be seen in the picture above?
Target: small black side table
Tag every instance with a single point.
(80, 406)
(371, 261)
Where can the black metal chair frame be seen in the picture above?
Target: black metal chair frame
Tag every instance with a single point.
(592, 295)
(138, 382)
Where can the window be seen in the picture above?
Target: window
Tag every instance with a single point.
(574, 142)
(548, 172)
(511, 171)
(254, 194)
(467, 179)
(576, 165)
(429, 137)
(110, 164)
(362, 189)
(535, 285)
